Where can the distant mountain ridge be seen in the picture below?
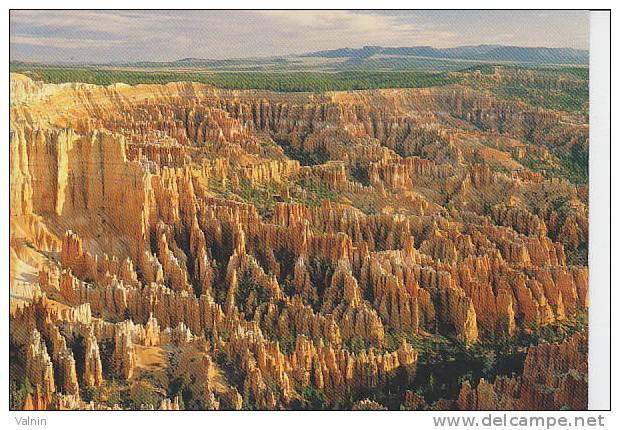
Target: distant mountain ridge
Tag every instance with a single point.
(358, 56)
(479, 53)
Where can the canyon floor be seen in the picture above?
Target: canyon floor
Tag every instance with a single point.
(183, 246)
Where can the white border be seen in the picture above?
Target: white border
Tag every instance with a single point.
(599, 210)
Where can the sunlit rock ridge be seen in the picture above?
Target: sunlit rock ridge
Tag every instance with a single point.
(181, 246)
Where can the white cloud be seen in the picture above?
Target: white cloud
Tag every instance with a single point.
(64, 43)
(169, 35)
(363, 25)
(87, 21)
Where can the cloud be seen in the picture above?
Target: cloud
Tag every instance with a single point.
(64, 43)
(335, 19)
(367, 26)
(87, 21)
(101, 36)
(320, 27)
(117, 35)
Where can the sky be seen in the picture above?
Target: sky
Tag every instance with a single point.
(118, 36)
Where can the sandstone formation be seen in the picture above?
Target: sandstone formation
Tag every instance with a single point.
(219, 249)
(554, 377)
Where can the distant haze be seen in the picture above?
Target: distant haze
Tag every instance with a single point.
(127, 36)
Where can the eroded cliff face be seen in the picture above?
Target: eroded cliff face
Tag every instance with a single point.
(291, 250)
(555, 376)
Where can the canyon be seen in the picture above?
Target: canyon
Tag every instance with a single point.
(182, 246)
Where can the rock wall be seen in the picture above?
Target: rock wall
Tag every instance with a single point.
(291, 247)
